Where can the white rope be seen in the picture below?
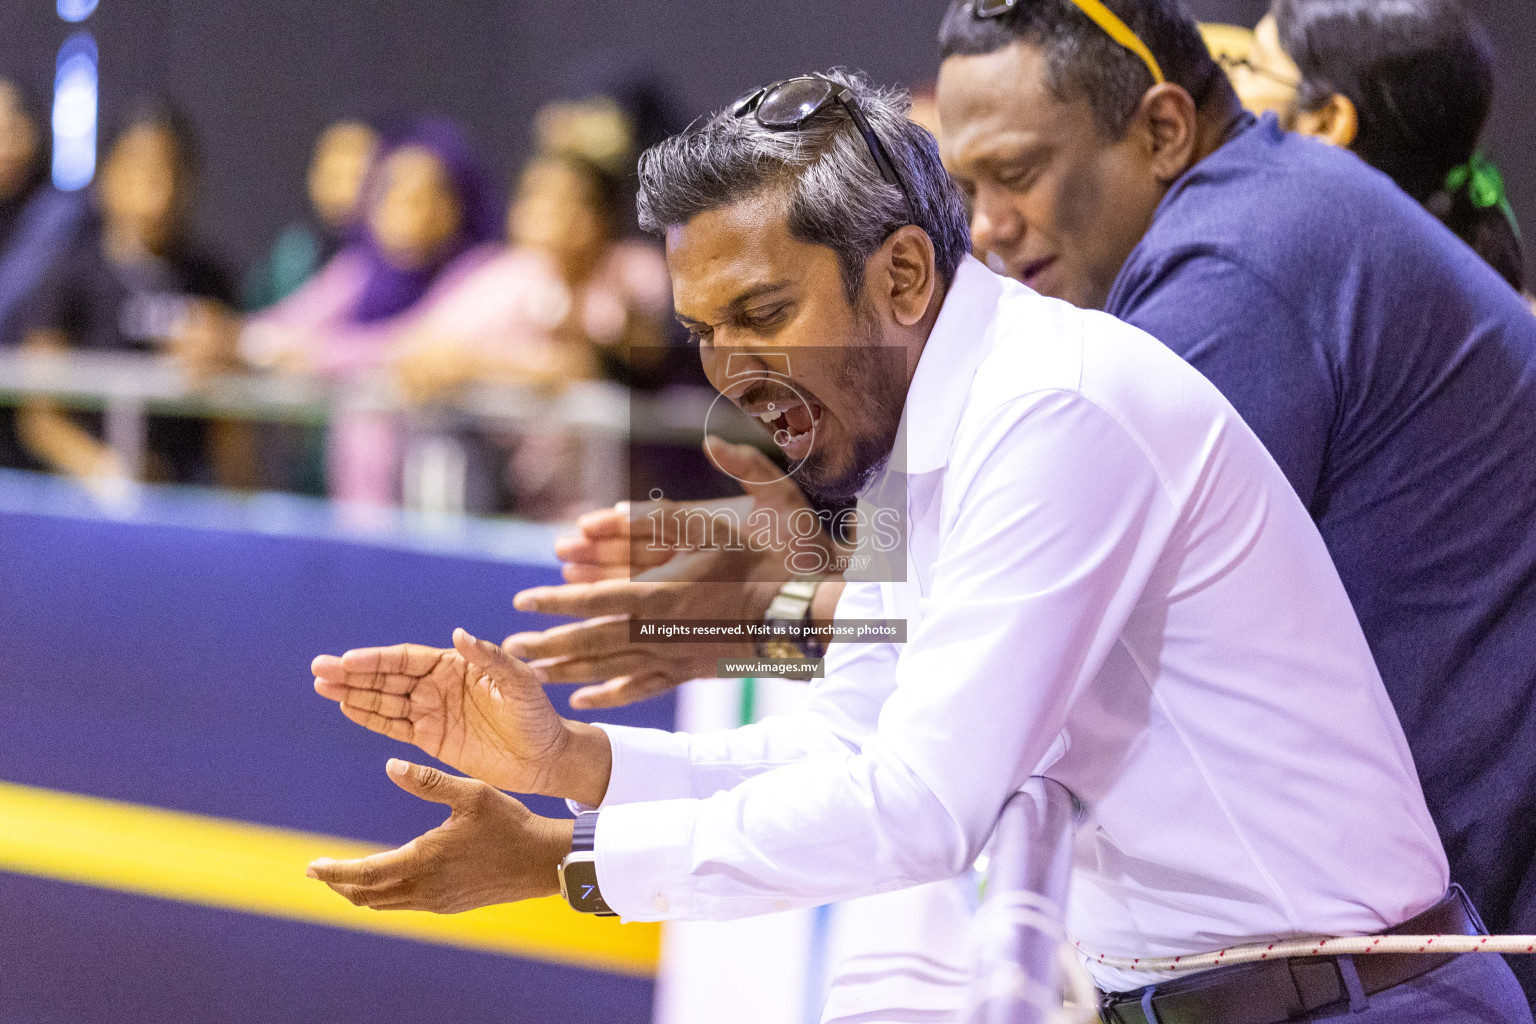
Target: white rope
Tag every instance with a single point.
(1364, 945)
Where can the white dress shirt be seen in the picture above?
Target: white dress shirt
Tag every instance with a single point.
(1109, 583)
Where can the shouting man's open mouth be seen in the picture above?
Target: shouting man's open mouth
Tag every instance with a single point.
(789, 416)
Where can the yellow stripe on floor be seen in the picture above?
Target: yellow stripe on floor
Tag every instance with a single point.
(232, 865)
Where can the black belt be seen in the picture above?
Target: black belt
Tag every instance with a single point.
(1276, 991)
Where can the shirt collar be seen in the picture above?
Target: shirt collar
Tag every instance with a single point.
(950, 357)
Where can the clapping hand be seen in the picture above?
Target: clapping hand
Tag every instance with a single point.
(630, 563)
(474, 707)
(491, 849)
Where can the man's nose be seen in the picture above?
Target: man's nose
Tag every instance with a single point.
(729, 367)
(995, 225)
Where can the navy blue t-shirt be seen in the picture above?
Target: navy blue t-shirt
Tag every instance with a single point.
(1392, 374)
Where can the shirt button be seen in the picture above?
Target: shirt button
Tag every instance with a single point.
(781, 905)
(660, 903)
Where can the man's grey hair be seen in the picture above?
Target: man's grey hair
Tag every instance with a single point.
(837, 196)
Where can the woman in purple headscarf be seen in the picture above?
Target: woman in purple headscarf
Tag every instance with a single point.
(428, 218)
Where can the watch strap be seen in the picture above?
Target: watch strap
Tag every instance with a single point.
(584, 833)
(791, 606)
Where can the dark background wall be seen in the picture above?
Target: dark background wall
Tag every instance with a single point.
(260, 79)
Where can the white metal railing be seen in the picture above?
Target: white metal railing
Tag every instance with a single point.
(128, 387)
(1021, 964)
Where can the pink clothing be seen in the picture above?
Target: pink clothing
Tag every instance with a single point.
(507, 303)
(363, 450)
(316, 319)
(516, 310)
(512, 304)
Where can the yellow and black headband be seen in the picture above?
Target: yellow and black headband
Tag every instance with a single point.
(1101, 16)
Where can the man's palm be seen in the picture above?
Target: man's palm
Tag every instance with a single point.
(473, 707)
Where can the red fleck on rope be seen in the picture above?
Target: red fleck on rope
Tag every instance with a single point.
(1336, 946)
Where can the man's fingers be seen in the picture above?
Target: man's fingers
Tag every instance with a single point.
(585, 600)
(378, 871)
(518, 644)
(688, 567)
(606, 551)
(691, 525)
(406, 659)
(591, 670)
(756, 472)
(744, 462)
(419, 780)
(385, 682)
(331, 691)
(618, 692)
(592, 637)
(606, 522)
(385, 704)
(328, 667)
(494, 661)
(393, 684)
(394, 897)
(578, 573)
(394, 728)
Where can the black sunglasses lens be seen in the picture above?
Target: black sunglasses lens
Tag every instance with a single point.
(992, 8)
(791, 103)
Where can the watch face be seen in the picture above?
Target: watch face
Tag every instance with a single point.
(580, 880)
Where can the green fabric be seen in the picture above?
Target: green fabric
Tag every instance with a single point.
(294, 258)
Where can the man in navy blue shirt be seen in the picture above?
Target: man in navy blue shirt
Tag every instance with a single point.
(1390, 372)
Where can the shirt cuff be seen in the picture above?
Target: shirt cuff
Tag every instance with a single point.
(648, 764)
(643, 853)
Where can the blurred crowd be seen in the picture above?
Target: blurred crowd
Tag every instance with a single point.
(410, 270)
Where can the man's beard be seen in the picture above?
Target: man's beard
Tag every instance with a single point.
(876, 375)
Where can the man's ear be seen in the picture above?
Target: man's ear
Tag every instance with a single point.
(1171, 128)
(1336, 122)
(913, 273)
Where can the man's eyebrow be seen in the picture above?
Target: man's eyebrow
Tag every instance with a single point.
(738, 304)
(741, 301)
(1007, 151)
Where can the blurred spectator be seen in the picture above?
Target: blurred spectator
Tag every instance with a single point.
(293, 455)
(343, 157)
(625, 82)
(135, 282)
(567, 300)
(1262, 88)
(427, 215)
(1406, 85)
(37, 222)
(567, 294)
(601, 82)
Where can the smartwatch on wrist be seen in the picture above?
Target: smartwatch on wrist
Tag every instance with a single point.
(791, 606)
(578, 871)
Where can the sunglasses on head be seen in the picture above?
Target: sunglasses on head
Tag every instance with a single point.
(1100, 15)
(789, 106)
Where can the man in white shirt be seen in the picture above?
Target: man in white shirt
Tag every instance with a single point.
(1107, 582)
